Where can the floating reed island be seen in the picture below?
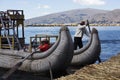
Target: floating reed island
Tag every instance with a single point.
(108, 70)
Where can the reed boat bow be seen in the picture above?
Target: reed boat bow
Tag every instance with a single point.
(59, 56)
(89, 53)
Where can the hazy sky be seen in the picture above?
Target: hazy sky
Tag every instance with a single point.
(35, 8)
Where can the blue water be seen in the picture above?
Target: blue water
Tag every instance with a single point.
(109, 37)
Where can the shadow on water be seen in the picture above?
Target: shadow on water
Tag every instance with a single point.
(21, 75)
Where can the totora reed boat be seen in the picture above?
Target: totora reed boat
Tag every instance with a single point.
(60, 53)
(89, 53)
(59, 56)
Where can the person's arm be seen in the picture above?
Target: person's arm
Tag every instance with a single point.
(81, 26)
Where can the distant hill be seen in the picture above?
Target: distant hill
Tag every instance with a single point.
(75, 16)
(110, 17)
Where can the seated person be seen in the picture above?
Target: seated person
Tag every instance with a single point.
(34, 44)
(44, 45)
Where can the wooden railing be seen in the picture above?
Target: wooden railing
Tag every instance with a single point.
(4, 43)
(39, 37)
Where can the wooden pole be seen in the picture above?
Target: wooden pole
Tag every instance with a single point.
(14, 68)
(90, 32)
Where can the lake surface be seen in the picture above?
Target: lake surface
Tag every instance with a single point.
(109, 37)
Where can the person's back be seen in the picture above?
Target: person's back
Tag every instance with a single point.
(44, 47)
(81, 29)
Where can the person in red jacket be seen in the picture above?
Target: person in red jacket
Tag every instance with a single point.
(44, 45)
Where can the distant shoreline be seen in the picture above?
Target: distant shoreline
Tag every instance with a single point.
(53, 25)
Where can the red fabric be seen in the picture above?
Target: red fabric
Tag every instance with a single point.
(44, 47)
